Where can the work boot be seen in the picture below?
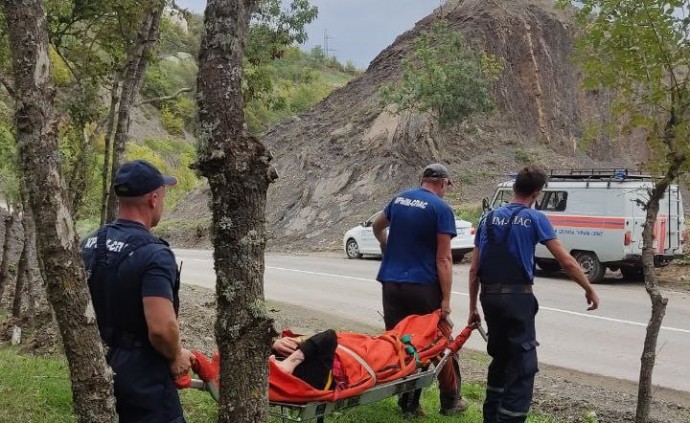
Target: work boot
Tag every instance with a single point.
(459, 406)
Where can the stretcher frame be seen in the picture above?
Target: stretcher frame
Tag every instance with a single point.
(294, 412)
(302, 412)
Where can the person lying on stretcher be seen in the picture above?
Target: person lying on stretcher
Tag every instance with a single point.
(334, 365)
(312, 359)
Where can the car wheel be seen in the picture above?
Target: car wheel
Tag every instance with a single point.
(632, 273)
(591, 265)
(548, 265)
(352, 249)
(458, 256)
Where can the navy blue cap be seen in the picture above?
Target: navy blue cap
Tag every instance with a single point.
(139, 177)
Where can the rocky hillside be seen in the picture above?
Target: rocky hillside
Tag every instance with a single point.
(341, 161)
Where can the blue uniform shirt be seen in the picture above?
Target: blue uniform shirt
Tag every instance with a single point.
(416, 216)
(529, 227)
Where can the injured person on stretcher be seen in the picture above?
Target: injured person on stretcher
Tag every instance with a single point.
(331, 366)
(312, 360)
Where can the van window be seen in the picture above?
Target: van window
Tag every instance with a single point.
(553, 201)
(502, 198)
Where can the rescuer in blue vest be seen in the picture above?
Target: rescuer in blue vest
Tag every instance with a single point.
(134, 284)
(502, 273)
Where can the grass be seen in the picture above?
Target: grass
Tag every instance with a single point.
(37, 389)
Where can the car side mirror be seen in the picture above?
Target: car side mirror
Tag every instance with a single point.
(485, 204)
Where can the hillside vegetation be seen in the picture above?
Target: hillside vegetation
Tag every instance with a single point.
(340, 161)
(164, 121)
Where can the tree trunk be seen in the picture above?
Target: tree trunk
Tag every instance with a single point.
(237, 167)
(14, 238)
(648, 359)
(4, 217)
(36, 133)
(105, 171)
(22, 274)
(137, 61)
(28, 258)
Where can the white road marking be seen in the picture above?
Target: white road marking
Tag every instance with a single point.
(591, 316)
(321, 274)
(541, 307)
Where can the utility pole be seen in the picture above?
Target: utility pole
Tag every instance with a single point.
(326, 47)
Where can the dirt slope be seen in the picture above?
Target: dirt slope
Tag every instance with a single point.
(340, 162)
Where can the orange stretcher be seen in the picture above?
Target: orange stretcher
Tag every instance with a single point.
(403, 359)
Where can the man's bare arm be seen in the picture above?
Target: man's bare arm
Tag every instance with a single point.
(444, 269)
(474, 288)
(573, 269)
(164, 333)
(379, 227)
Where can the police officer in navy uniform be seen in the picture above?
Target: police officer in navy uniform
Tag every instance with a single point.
(134, 283)
(416, 270)
(502, 273)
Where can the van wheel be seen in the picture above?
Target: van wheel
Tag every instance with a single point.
(458, 256)
(548, 265)
(632, 273)
(591, 265)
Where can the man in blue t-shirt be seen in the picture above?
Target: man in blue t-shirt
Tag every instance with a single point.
(503, 266)
(416, 269)
(134, 284)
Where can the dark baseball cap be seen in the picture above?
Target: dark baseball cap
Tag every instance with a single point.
(436, 170)
(139, 177)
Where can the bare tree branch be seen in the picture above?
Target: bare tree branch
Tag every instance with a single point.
(8, 86)
(165, 97)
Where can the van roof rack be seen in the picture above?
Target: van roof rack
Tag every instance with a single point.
(607, 174)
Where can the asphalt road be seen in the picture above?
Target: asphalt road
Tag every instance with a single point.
(607, 341)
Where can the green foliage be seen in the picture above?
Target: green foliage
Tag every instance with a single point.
(273, 30)
(446, 77)
(297, 83)
(171, 122)
(639, 51)
(522, 156)
(60, 74)
(171, 157)
(470, 213)
(173, 39)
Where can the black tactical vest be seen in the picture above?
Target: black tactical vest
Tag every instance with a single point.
(117, 296)
(500, 266)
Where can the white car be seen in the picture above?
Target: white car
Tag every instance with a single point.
(360, 240)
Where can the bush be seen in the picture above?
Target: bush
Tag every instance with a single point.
(172, 123)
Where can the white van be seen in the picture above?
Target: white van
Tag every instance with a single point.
(598, 214)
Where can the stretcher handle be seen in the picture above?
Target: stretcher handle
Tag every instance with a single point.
(460, 340)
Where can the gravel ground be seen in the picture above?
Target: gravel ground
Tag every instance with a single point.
(567, 395)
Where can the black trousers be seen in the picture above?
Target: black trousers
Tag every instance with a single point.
(144, 387)
(512, 347)
(319, 351)
(405, 299)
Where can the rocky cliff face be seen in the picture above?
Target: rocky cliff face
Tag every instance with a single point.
(341, 161)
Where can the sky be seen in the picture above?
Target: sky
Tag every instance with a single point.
(357, 29)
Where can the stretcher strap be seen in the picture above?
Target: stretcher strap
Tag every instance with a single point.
(361, 361)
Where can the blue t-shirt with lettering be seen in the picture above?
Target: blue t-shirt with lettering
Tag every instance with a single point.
(530, 227)
(416, 217)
